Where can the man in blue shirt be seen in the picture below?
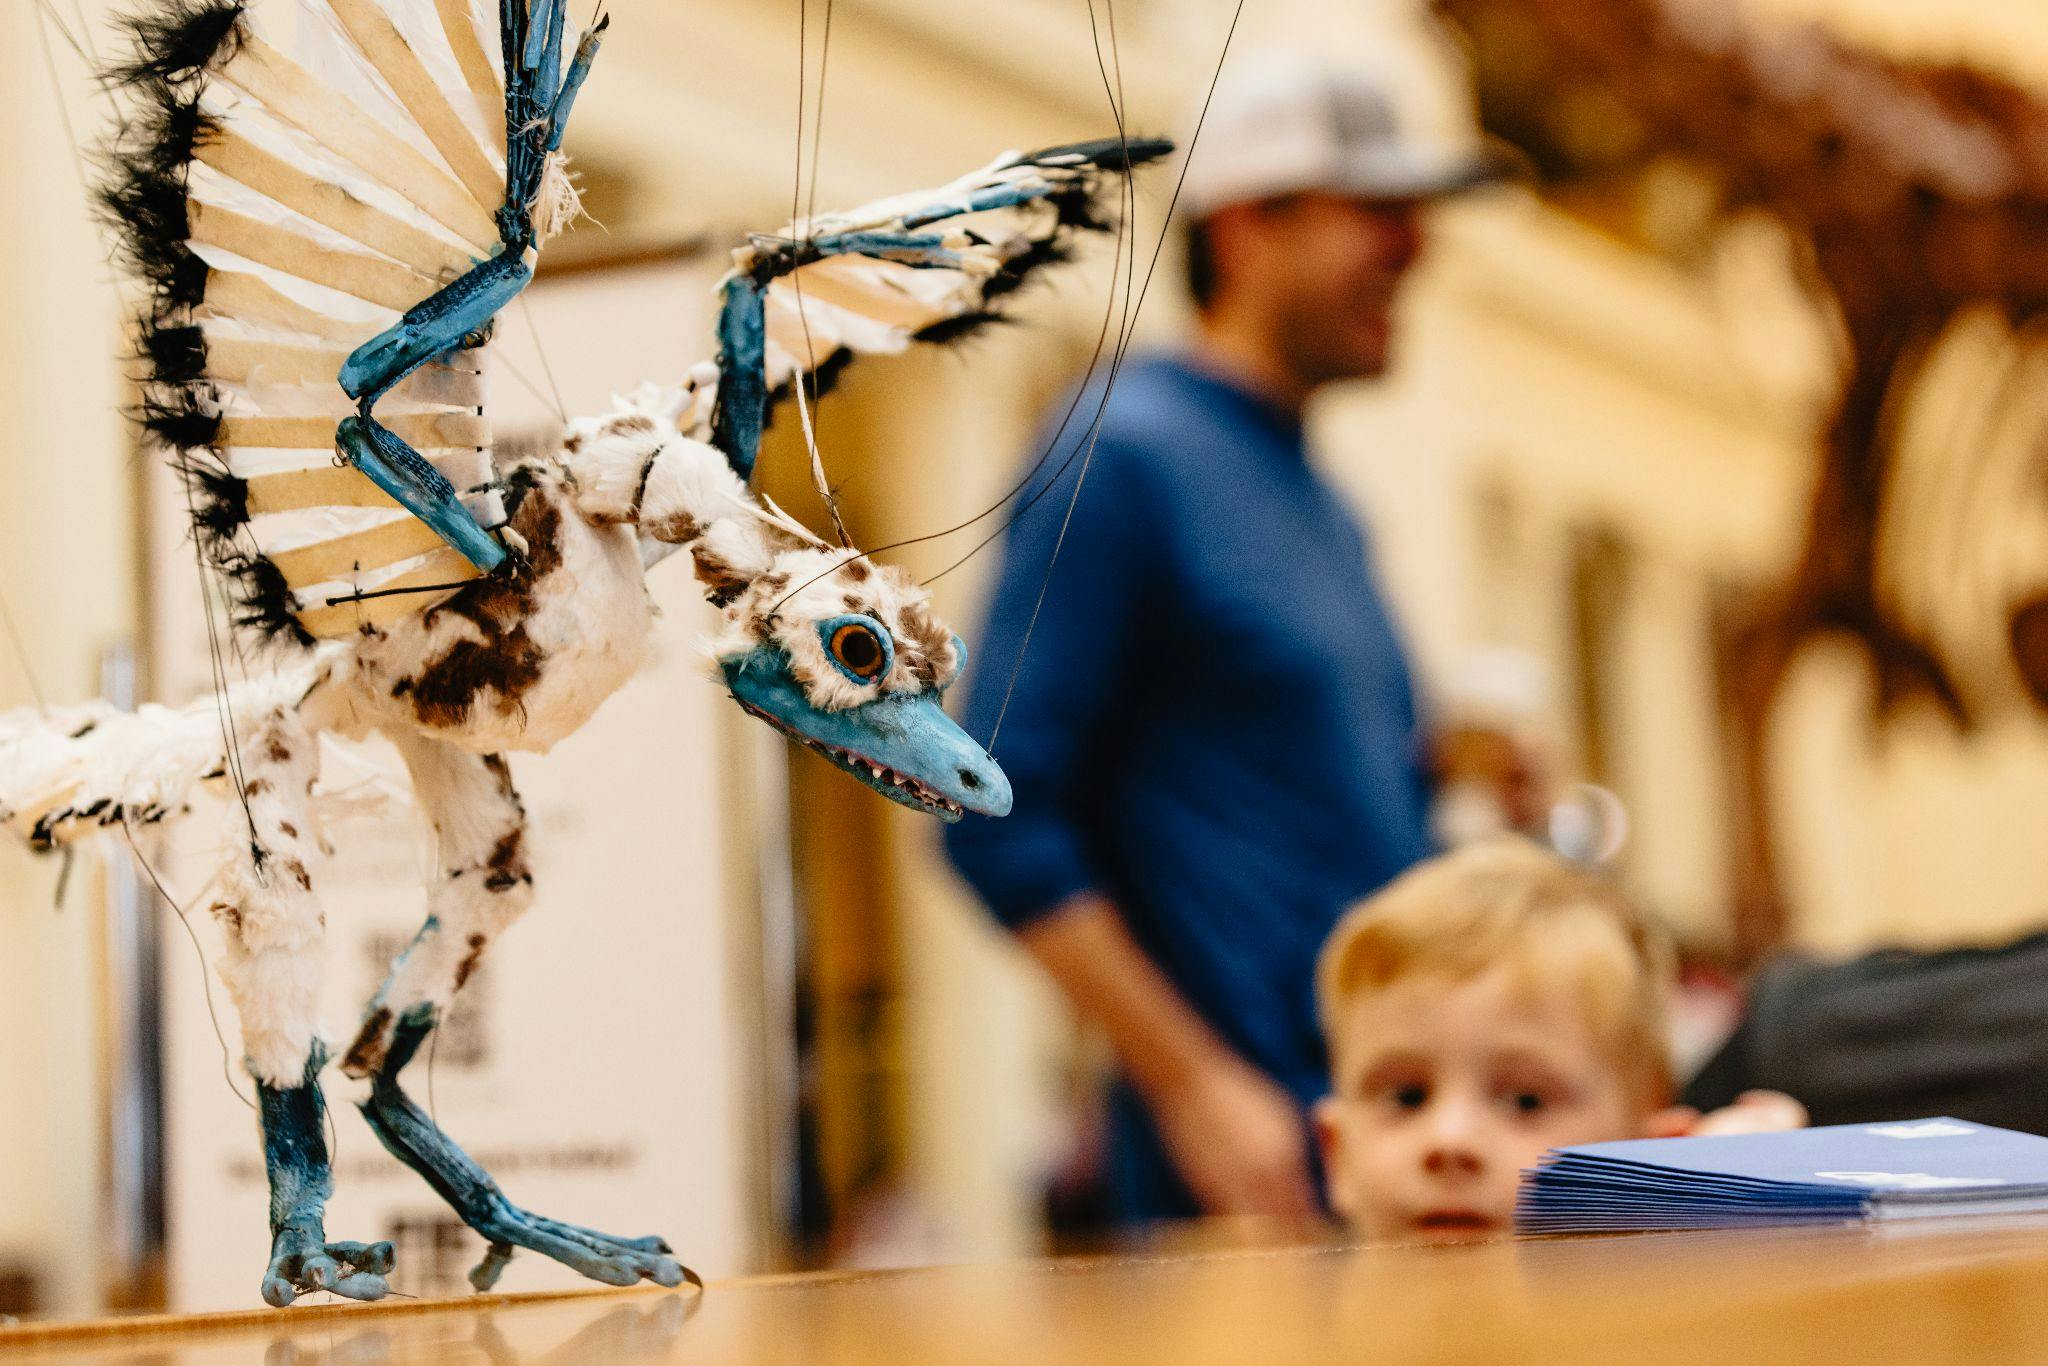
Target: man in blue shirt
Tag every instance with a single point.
(1213, 737)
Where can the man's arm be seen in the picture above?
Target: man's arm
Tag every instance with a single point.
(1235, 1137)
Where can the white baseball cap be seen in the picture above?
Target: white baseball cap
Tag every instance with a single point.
(1283, 123)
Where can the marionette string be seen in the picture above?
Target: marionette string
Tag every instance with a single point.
(804, 208)
(1127, 324)
(1054, 442)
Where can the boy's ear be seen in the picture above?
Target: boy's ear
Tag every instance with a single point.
(1673, 1121)
(1325, 1116)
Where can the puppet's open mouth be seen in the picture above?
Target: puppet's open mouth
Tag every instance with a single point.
(897, 787)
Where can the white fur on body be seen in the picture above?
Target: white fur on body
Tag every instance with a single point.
(272, 927)
(482, 884)
(502, 666)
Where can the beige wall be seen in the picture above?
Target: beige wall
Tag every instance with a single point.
(66, 576)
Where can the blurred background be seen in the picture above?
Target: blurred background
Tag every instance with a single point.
(1712, 459)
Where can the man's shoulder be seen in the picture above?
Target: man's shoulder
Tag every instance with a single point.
(1137, 419)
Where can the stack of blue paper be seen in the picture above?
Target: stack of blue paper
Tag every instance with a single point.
(1902, 1169)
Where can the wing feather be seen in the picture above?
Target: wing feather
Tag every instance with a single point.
(930, 265)
(242, 160)
(285, 209)
(295, 95)
(472, 57)
(392, 56)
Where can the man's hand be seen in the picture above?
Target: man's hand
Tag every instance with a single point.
(1238, 1140)
(1238, 1143)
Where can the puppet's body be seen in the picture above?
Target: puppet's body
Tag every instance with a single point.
(460, 609)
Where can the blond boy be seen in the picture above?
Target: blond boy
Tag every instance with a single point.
(1487, 1006)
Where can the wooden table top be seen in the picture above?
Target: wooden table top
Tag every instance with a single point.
(1926, 1293)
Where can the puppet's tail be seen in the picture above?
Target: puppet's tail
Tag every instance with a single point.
(69, 772)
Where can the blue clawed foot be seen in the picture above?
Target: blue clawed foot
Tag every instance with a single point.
(411, 1136)
(302, 1262)
(600, 1256)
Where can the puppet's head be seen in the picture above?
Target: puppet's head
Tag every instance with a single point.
(848, 659)
(842, 655)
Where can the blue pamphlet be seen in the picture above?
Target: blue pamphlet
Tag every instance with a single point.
(1898, 1169)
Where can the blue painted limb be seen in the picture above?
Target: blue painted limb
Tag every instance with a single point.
(295, 1158)
(911, 248)
(993, 197)
(418, 487)
(433, 327)
(413, 1138)
(547, 79)
(742, 374)
(546, 20)
(579, 71)
(436, 325)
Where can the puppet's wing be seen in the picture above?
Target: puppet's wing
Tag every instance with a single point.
(927, 266)
(283, 210)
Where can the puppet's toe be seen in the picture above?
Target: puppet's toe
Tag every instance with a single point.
(302, 1263)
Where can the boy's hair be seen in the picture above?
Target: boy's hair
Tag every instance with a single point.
(1512, 902)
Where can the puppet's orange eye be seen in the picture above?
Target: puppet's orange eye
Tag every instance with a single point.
(859, 650)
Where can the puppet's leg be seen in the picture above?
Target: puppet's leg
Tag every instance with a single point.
(483, 885)
(275, 931)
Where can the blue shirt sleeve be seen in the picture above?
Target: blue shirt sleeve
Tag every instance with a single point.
(1072, 682)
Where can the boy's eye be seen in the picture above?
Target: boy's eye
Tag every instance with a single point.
(1412, 1096)
(1528, 1102)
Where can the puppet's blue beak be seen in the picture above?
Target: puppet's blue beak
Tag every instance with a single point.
(903, 745)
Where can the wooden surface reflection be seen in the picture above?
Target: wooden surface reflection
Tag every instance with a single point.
(1926, 1294)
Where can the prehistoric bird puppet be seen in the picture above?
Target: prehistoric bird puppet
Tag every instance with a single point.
(325, 238)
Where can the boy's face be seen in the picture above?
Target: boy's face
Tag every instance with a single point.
(1447, 1090)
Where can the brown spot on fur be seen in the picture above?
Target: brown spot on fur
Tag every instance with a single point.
(504, 664)
(917, 625)
(277, 751)
(858, 570)
(495, 765)
(229, 916)
(297, 872)
(675, 529)
(464, 674)
(287, 829)
(469, 960)
(256, 787)
(573, 443)
(722, 583)
(630, 424)
(506, 867)
(372, 1041)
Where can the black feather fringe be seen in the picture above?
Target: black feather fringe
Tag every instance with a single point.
(175, 46)
(177, 40)
(822, 381)
(1111, 154)
(1076, 209)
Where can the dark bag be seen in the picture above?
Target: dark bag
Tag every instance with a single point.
(1896, 1035)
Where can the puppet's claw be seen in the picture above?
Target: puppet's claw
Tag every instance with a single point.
(600, 1256)
(615, 1261)
(414, 1139)
(301, 1262)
